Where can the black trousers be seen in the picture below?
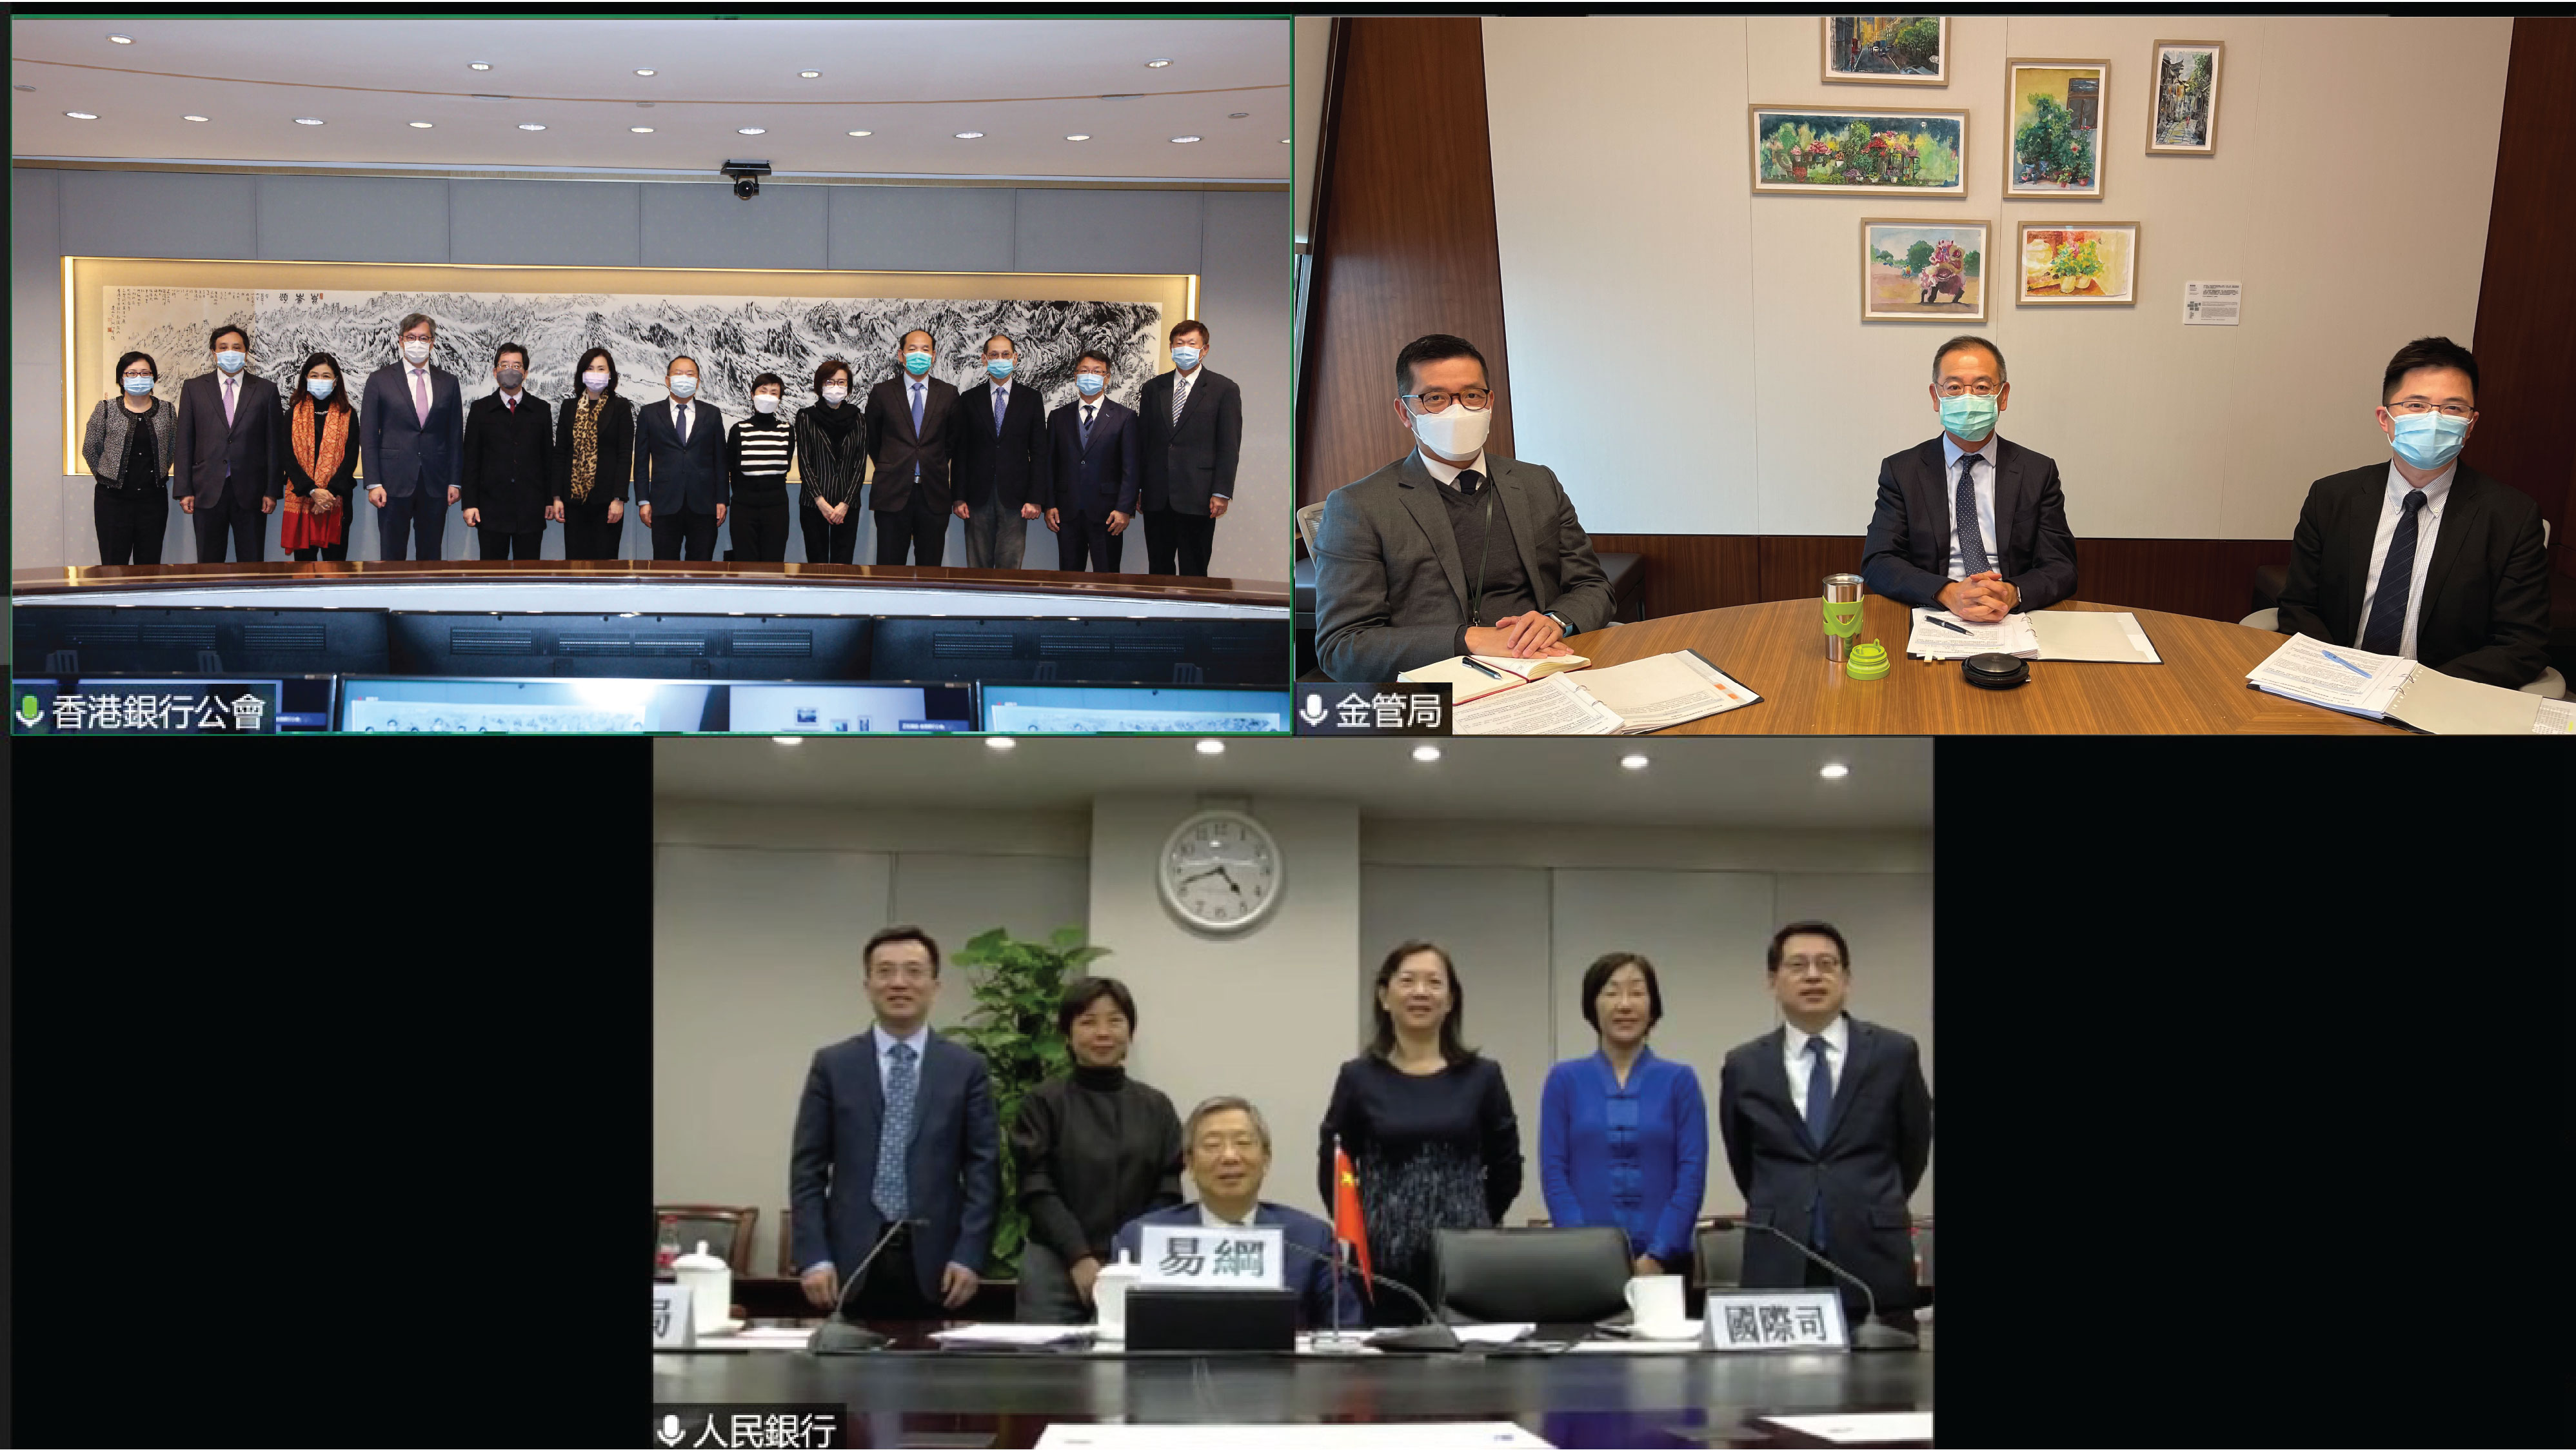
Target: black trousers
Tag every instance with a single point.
(130, 526)
(673, 530)
(503, 544)
(418, 518)
(587, 532)
(919, 530)
(225, 521)
(827, 542)
(759, 534)
(1178, 541)
(1080, 539)
(891, 1291)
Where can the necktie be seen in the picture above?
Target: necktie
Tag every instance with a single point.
(916, 424)
(1180, 399)
(685, 411)
(1469, 480)
(229, 396)
(2387, 627)
(1001, 400)
(1086, 423)
(893, 1195)
(420, 395)
(1972, 545)
(1820, 1121)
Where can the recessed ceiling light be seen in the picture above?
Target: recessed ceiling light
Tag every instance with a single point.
(81, 115)
(1286, 140)
(192, 118)
(420, 125)
(1236, 115)
(787, 739)
(863, 133)
(479, 65)
(1835, 772)
(1633, 762)
(121, 39)
(970, 135)
(641, 130)
(531, 126)
(1079, 136)
(1156, 64)
(1426, 753)
(643, 72)
(1211, 747)
(808, 74)
(751, 131)
(1000, 742)
(1183, 140)
(26, 88)
(308, 120)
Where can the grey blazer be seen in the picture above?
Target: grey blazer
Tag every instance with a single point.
(103, 443)
(1390, 593)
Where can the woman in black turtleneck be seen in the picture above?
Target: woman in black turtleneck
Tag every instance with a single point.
(1094, 1148)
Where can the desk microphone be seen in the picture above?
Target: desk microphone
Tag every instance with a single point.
(1432, 1336)
(837, 1335)
(1870, 1334)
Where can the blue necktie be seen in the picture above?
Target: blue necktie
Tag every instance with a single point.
(1972, 545)
(2387, 627)
(1820, 1121)
(916, 425)
(1001, 400)
(893, 1196)
(1086, 423)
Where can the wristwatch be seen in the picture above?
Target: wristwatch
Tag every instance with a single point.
(1560, 620)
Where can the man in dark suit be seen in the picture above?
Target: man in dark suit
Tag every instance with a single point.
(1228, 1144)
(1828, 1127)
(411, 427)
(680, 467)
(1450, 550)
(897, 1129)
(1092, 475)
(507, 480)
(2424, 556)
(1001, 473)
(1193, 439)
(1970, 522)
(912, 436)
(231, 452)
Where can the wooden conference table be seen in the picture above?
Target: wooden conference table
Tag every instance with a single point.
(1779, 650)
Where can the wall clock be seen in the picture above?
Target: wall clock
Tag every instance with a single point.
(1220, 872)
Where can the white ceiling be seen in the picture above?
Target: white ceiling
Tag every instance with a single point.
(1026, 84)
(1733, 782)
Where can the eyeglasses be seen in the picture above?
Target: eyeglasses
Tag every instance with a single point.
(2448, 410)
(1474, 400)
(905, 973)
(1817, 966)
(1981, 389)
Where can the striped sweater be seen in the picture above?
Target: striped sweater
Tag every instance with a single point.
(757, 451)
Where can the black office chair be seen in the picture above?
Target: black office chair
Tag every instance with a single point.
(1721, 1259)
(1532, 1275)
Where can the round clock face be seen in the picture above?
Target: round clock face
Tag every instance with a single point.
(1220, 871)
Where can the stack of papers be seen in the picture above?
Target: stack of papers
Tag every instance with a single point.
(1940, 635)
(1649, 694)
(1012, 1336)
(1472, 677)
(2398, 690)
(2056, 634)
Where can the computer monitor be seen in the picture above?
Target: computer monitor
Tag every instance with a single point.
(628, 646)
(464, 705)
(1174, 649)
(1130, 710)
(874, 709)
(95, 640)
(172, 704)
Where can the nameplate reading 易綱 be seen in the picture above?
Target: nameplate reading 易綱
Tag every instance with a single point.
(1757, 1319)
(675, 1325)
(1183, 1257)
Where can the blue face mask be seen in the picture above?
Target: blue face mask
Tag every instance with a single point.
(1969, 416)
(999, 367)
(1090, 383)
(916, 363)
(139, 386)
(1185, 358)
(319, 387)
(232, 362)
(2428, 440)
(681, 387)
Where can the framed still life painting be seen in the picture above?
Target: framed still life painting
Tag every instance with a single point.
(1923, 271)
(2080, 264)
(1840, 151)
(1887, 50)
(2054, 109)
(2184, 119)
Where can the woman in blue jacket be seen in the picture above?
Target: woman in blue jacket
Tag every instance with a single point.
(1623, 1134)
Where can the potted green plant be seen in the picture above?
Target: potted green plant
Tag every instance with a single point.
(1018, 985)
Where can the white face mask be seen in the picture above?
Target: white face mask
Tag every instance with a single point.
(596, 382)
(682, 385)
(1454, 432)
(418, 352)
(764, 403)
(834, 392)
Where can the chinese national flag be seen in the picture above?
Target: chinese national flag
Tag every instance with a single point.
(1348, 1226)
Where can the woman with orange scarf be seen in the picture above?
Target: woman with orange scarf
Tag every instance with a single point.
(321, 463)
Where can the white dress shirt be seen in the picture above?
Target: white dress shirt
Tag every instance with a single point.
(2392, 507)
(1837, 1040)
(1446, 474)
(1209, 1218)
(1986, 454)
(679, 410)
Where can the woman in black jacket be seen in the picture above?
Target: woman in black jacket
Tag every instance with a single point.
(321, 463)
(127, 446)
(594, 458)
(831, 463)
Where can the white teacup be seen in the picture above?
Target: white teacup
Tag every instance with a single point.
(1655, 1304)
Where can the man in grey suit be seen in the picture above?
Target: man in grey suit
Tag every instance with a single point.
(1449, 550)
(411, 431)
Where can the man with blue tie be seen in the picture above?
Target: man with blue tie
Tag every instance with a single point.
(680, 485)
(1827, 1122)
(1001, 459)
(1093, 476)
(913, 423)
(411, 430)
(1969, 522)
(897, 1151)
(229, 452)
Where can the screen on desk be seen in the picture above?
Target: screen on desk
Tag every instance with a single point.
(891, 709)
(450, 705)
(1131, 709)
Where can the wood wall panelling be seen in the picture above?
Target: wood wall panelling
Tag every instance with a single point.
(2526, 337)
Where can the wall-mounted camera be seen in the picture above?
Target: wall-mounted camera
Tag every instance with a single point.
(746, 177)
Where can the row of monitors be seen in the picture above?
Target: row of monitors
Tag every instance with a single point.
(90, 641)
(451, 704)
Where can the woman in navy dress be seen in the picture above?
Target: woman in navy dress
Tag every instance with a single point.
(1623, 1134)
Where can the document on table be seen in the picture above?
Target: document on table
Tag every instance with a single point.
(1882, 1429)
(1456, 1435)
(2088, 634)
(2389, 687)
(1500, 673)
(2009, 635)
(1012, 1336)
(2556, 717)
(1552, 706)
(1664, 690)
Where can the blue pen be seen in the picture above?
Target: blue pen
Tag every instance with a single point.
(2347, 664)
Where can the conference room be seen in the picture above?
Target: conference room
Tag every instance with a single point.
(924, 351)
(1708, 311)
(1133, 990)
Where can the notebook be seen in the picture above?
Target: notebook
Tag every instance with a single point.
(1501, 672)
(2394, 689)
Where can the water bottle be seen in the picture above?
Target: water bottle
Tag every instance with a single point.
(666, 1250)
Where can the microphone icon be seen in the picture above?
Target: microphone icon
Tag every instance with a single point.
(669, 1434)
(1313, 714)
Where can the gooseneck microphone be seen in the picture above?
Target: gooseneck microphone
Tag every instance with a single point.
(1870, 1333)
(1432, 1336)
(837, 1335)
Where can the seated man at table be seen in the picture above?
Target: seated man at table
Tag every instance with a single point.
(1228, 1144)
(1415, 563)
(2422, 555)
(1969, 522)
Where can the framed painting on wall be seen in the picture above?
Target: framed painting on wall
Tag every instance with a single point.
(1923, 271)
(2184, 119)
(1887, 50)
(2082, 264)
(2053, 111)
(1841, 151)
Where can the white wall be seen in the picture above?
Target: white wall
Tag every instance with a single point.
(2349, 194)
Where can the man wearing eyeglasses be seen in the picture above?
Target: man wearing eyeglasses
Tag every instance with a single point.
(1450, 550)
(2424, 556)
(1970, 522)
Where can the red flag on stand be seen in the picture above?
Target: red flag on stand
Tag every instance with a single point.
(1348, 1226)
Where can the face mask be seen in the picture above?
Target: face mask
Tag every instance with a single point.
(916, 363)
(1454, 432)
(999, 367)
(1185, 358)
(764, 403)
(682, 387)
(2428, 440)
(417, 352)
(319, 387)
(232, 362)
(596, 382)
(1090, 383)
(511, 378)
(833, 393)
(139, 386)
(1969, 416)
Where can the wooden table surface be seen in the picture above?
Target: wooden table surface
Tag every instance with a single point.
(1779, 650)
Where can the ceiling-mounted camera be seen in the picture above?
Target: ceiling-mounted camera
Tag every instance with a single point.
(746, 177)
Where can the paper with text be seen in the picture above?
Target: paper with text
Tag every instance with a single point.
(2009, 635)
(2335, 676)
(1552, 706)
(1664, 690)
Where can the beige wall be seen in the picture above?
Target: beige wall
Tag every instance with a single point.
(1748, 396)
